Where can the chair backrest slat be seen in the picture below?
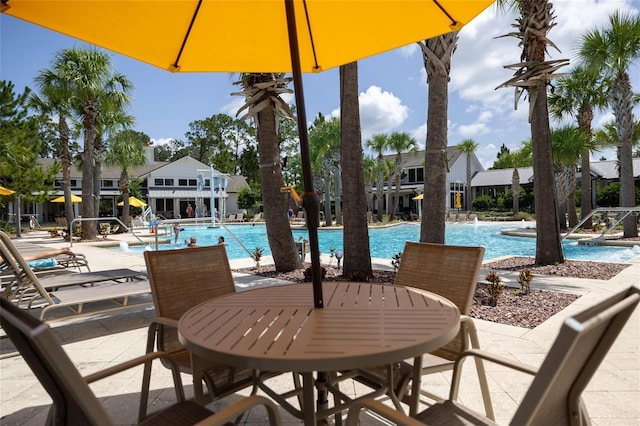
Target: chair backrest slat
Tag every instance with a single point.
(449, 271)
(581, 345)
(181, 279)
(73, 401)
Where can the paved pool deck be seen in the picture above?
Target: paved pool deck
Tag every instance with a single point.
(97, 341)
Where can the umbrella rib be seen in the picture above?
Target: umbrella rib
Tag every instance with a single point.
(454, 23)
(313, 46)
(175, 65)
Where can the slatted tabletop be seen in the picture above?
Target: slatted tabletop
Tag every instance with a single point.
(278, 329)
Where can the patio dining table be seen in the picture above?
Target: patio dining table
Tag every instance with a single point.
(278, 329)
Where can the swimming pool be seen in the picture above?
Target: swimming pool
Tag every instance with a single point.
(387, 241)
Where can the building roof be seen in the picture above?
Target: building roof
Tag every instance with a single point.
(609, 169)
(410, 160)
(113, 173)
(502, 177)
(108, 172)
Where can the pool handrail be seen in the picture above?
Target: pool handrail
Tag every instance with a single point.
(100, 219)
(196, 221)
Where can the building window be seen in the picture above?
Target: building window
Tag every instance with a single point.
(107, 184)
(187, 182)
(163, 182)
(416, 175)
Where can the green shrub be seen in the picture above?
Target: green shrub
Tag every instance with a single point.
(483, 203)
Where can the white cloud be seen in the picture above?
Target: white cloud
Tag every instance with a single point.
(478, 67)
(161, 141)
(232, 107)
(380, 111)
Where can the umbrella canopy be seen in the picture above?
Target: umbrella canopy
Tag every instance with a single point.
(253, 36)
(248, 35)
(418, 197)
(74, 199)
(133, 201)
(458, 203)
(5, 191)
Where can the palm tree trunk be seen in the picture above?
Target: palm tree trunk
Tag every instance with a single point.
(337, 176)
(283, 248)
(585, 194)
(515, 190)
(327, 198)
(548, 247)
(356, 264)
(625, 124)
(65, 159)
(432, 229)
(88, 207)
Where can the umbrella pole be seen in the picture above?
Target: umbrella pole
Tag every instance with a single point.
(310, 201)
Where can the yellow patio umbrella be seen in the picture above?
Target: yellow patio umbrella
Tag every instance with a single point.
(74, 199)
(5, 191)
(253, 36)
(418, 197)
(134, 202)
(458, 203)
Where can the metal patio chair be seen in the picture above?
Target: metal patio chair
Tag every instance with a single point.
(181, 279)
(554, 397)
(451, 272)
(74, 403)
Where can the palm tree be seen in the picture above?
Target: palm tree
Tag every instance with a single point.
(436, 53)
(611, 52)
(357, 256)
(378, 143)
(515, 159)
(111, 120)
(263, 103)
(467, 147)
(369, 167)
(568, 143)
(89, 76)
(127, 150)
(54, 100)
(578, 94)
(400, 142)
(533, 74)
(324, 142)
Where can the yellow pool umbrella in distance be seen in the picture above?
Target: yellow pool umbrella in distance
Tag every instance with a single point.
(458, 203)
(74, 199)
(300, 36)
(5, 191)
(418, 197)
(134, 202)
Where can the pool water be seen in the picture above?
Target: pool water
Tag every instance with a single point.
(385, 242)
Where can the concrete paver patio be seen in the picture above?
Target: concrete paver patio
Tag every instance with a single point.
(96, 341)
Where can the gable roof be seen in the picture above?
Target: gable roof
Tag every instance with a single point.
(502, 177)
(108, 172)
(416, 159)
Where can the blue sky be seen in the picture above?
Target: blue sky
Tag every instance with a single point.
(393, 89)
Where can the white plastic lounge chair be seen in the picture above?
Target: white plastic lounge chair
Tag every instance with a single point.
(27, 290)
(554, 397)
(74, 403)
